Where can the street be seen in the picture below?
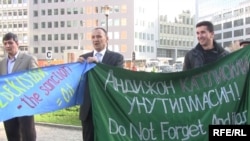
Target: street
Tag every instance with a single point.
(50, 132)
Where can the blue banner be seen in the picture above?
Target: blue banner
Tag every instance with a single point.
(42, 90)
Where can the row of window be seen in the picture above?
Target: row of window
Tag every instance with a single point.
(230, 34)
(75, 10)
(13, 1)
(16, 24)
(144, 36)
(230, 14)
(230, 24)
(171, 53)
(144, 48)
(168, 29)
(76, 23)
(177, 43)
(56, 1)
(76, 36)
(15, 12)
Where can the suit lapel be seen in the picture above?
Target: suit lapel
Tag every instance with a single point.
(105, 57)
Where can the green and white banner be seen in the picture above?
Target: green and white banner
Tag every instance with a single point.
(147, 106)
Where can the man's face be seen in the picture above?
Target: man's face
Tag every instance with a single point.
(205, 37)
(11, 47)
(99, 39)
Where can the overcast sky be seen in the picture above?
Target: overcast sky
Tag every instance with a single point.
(175, 7)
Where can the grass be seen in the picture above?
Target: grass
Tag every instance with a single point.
(68, 116)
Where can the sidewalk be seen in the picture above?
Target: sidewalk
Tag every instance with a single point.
(52, 132)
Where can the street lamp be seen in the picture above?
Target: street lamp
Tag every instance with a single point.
(106, 9)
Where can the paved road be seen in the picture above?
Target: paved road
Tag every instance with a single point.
(49, 132)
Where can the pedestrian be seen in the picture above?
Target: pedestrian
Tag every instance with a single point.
(206, 51)
(18, 128)
(100, 54)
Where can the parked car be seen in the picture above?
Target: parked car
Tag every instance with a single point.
(178, 66)
(165, 68)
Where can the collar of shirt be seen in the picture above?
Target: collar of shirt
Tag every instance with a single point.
(101, 52)
(14, 58)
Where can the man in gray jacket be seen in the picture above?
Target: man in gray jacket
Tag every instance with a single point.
(17, 128)
(207, 50)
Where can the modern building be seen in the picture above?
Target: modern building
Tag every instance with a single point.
(58, 25)
(176, 38)
(206, 8)
(232, 24)
(14, 18)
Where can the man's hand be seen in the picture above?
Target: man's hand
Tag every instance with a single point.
(80, 59)
(89, 59)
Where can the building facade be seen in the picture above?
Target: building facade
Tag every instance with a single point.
(232, 23)
(58, 25)
(176, 38)
(14, 18)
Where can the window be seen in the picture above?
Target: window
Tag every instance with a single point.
(238, 32)
(49, 12)
(68, 36)
(43, 49)
(49, 24)
(248, 31)
(56, 49)
(62, 11)
(217, 36)
(56, 24)
(62, 37)
(49, 37)
(43, 25)
(55, 11)
(35, 25)
(75, 36)
(69, 11)
(248, 20)
(68, 23)
(43, 12)
(116, 35)
(35, 13)
(35, 38)
(227, 34)
(75, 11)
(238, 22)
(43, 37)
(217, 27)
(56, 37)
(227, 25)
(62, 49)
(36, 50)
(62, 23)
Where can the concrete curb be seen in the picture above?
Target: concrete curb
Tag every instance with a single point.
(59, 126)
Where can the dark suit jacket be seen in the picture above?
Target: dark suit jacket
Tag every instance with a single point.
(109, 58)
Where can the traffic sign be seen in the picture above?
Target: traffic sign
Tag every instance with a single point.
(48, 55)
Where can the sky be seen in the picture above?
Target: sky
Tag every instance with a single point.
(175, 7)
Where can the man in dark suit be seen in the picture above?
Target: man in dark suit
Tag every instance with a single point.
(100, 55)
(18, 128)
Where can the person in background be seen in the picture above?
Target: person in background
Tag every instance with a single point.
(18, 128)
(206, 51)
(100, 54)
